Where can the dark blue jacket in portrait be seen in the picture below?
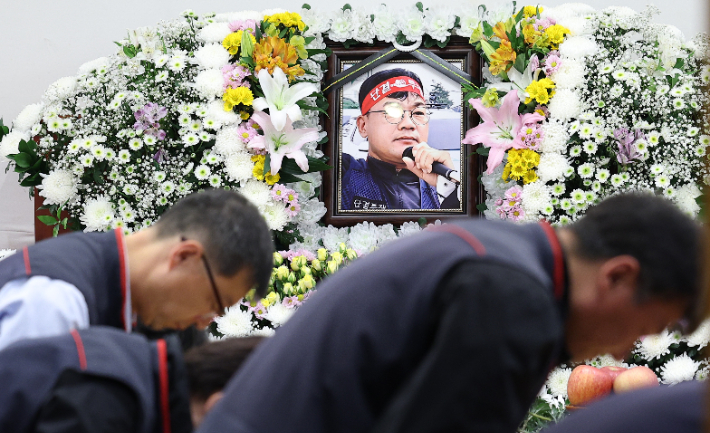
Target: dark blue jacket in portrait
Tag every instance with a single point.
(376, 185)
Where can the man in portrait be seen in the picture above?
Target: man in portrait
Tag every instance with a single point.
(393, 117)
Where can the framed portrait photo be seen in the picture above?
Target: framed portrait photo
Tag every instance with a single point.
(395, 134)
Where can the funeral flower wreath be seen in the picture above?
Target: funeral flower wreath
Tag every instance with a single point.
(576, 105)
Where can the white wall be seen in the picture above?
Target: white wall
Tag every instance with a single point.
(41, 41)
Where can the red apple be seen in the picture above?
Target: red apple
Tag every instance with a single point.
(635, 378)
(587, 383)
(614, 371)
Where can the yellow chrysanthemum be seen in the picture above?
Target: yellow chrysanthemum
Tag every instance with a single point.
(244, 116)
(529, 177)
(234, 40)
(531, 35)
(288, 19)
(518, 170)
(540, 90)
(506, 172)
(556, 35)
(240, 95)
(531, 11)
(272, 178)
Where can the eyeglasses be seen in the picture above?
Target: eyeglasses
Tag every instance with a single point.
(214, 286)
(394, 113)
(211, 277)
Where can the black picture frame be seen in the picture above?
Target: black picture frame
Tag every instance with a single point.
(472, 193)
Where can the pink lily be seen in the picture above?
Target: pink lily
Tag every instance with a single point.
(500, 129)
(280, 143)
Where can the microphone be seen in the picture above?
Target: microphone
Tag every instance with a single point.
(436, 167)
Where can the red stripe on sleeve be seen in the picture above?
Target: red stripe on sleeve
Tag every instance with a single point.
(79, 348)
(558, 272)
(164, 386)
(122, 265)
(26, 255)
(463, 234)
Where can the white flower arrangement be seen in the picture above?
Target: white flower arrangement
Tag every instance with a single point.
(609, 103)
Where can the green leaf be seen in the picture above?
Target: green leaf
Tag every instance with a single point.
(47, 219)
(420, 6)
(267, 163)
(282, 33)
(323, 140)
(22, 160)
(64, 222)
(483, 150)
(487, 29)
(443, 44)
(55, 231)
(33, 180)
(130, 51)
(288, 178)
(247, 45)
(309, 39)
(306, 6)
(481, 207)
(520, 15)
(520, 63)
(257, 33)
(98, 178)
(347, 7)
(679, 63)
(27, 146)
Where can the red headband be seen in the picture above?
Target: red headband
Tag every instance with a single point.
(392, 85)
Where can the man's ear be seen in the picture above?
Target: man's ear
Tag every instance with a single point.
(619, 277)
(362, 129)
(183, 251)
(213, 400)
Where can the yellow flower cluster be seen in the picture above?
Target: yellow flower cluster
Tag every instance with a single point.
(503, 58)
(490, 98)
(521, 165)
(258, 170)
(556, 35)
(531, 11)
(288, 19)
(540, 91)
(234, 40)
(240, 95)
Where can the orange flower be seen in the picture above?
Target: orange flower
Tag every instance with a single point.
(499, 30)
(273, 52)
(503, 58)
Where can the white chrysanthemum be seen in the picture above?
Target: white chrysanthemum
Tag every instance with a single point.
(470, 21)
(385, 24)
(701, 336)
(578, 47)
(654, 346)
(557, 381)
(58, 187)
(60, 89)
(577, 26)
(342, 25)
(555, 138)
(10, 143)
(363, 237)
(552, 167)
(409, 228)
(90, 66)
(438, 23)
(214, 32)
(685, 198)
(256, 192)
(228, 142)
(235, 322)
(239, 166)
(606, 361)
(567, 10)
(679, 369)
(411, 23)
(212, 56)
(536, 197)
(210, 83)
(278, 314)
(566, 104)
(702, 374)
(570, 75)
(316, 21)
(27, 118)
(333, 237)
(307, 187)
(215, 110)
(98, 214)
(5, 253)
(311, 211)
(274, 213)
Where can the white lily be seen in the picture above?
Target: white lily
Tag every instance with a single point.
(280, 98)
(282, 142)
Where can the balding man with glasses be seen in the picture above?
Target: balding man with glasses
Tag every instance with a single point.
(395, 117)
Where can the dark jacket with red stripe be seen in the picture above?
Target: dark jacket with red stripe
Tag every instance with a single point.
(147, 376)
(454, 329)
(93, 262)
